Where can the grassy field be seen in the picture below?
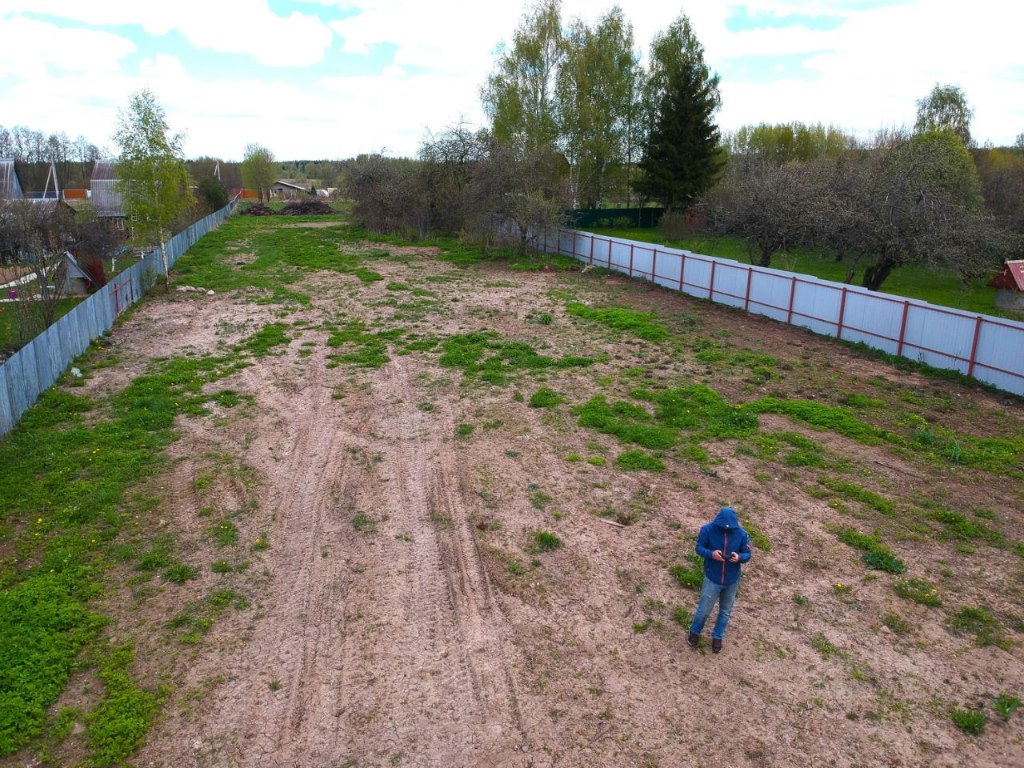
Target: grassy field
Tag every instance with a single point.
(913, 281)
(876, 497)
(9, 322)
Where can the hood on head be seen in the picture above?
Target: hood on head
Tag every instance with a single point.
(726, 518)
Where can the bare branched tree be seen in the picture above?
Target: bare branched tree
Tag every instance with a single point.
(35, 234)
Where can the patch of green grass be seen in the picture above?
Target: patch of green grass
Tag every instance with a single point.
(982, 623)
(861, 401)
(545, 541)
(545, 397)
(690, 574)
(700, 411)
(876, 555)
(761, 366)
(824, 646)
(464, 430)
(919, 590)
(262, 542)
(115, 728)
(791, 448)
(538, 498)
(757, 537)
(641, 324)
(1005, 705)
(69, 515)
(970, 721)
(826, 417)
(482, 354)
(224, 533)
(43, 626)
(681, 615)
(179, 573)
(364, 523)
(359, 346)
(961, 527)
(227, 398)
(854, 492)
(633, 461)
(896, 623)
(159, 555)
(626, 421)
(266, 339)
(597, 461)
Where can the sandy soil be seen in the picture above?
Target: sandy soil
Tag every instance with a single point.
(385, 626)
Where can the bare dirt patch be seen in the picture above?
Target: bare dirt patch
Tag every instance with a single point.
(397, 612)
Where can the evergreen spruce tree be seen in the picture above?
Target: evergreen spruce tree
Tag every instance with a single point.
(683, 155)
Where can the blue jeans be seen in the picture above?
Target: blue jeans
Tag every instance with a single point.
(710, 594)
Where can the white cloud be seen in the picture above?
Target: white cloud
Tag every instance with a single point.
(870, 70)
(226, 26)
(29, 47)
(161, 67)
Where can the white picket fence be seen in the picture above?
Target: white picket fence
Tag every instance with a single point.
(990, 349)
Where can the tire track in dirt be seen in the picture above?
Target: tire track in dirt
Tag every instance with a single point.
(308, 465)
(442, 688)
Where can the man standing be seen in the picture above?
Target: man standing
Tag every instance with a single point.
(724, 545)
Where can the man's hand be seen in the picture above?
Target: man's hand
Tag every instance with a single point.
(734, 558)
(718, 555)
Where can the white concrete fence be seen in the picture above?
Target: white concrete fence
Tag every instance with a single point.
(990, 349)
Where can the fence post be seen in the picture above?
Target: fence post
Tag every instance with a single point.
(792, 296)
(682, 269)
(609, 253)
(711, 289)
(630, 259)
(974, 346)
(654, 267)
(746, 301)
(591, 259)
(842, 312)
(903, 328)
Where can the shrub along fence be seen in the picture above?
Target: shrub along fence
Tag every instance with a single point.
(983, 347)
(36, 366)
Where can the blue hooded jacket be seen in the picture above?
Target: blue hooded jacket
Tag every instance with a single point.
(724, 533)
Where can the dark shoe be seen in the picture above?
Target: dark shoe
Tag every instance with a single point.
(692, 639)
(716, 645)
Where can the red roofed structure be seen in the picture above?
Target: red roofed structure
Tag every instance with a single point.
(1009, 285)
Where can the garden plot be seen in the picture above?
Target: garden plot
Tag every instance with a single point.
(437, 510)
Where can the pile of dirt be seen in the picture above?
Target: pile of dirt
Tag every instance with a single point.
(259, 209)
(307, 208)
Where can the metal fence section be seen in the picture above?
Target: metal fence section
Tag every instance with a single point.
(990, 349)
(36, 366)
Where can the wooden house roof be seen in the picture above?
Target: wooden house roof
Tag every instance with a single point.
(1010, 277)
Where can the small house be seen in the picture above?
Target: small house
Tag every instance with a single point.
(1009, 285)
(77, 281)
(286, 190)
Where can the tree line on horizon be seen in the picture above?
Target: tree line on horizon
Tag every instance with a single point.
(575, 120)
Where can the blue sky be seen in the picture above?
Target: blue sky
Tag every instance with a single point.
(334, 78)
